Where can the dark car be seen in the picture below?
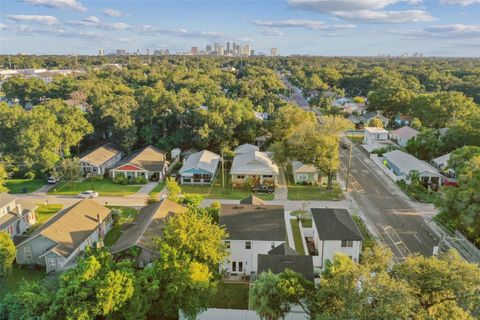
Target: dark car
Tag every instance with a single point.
(263, 188)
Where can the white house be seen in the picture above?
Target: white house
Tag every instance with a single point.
(199, 168)
(402, 164)
(333, 231)
(442, 161)
(63, 237)
(254, 165)
(101, 159)
(16, 215)
(404, 134)
(253, 228)
(245, 148)
(374, 134)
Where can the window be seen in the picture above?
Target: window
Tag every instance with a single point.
(240, 177)
(267, 176)
(234, 266)
(248, 245)
(227, 244)
(240, 266)
(347, 243)
(52, 262)
(301, 176)
(28, 252)
(273, 245)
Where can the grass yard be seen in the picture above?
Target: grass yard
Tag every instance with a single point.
(309, 192)
(104, 187)
(17, 185)
(297, 236)
(158, 188)
(18, 274)
(419, 193)
(231, 296)
(127, 214)
(369, 240)
(44, 212)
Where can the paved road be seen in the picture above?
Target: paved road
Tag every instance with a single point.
(398, 222)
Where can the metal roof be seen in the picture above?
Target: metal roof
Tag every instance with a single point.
(253, 163)
(406, 162)
(205, 160)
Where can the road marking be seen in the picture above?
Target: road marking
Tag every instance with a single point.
(416, 237)
(399, 244)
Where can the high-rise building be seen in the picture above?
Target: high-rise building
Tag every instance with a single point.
(148, 52)
(120, 52)
(273, 52)
(246, 50)
(194, 50)
(209, 48)
(228, 47)
(101, 52)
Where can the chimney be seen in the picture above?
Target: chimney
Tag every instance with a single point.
(19, 210)
(98, 217)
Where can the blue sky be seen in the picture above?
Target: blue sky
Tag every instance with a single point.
(316, 27)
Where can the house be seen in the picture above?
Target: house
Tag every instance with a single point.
(199, 168)
(304, 173)
(262, 115)
(283, 257)
(101, 159)
(187, 153)
(442, 162)
(374, 134)
(175, 153)
(354, 119)
(245, 148)
(403, 135)
(16, 215)
(148, 225)
(260, 141)
(340, 102)
(402, 120)
(253, 228)
(402, 164)
(63, 237)
(148, 162)
(369, 116)
(333, 231)
(253, 165)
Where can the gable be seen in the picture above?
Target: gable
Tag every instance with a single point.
(129, 167)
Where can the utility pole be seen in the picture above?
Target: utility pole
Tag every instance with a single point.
(223, 172)
(349, 163)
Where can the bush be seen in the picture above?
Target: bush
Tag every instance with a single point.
(152, 199)
(120, 179)
(138, 180)
(381, 151)
(29, 175)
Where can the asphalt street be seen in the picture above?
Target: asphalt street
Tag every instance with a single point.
(398, 222)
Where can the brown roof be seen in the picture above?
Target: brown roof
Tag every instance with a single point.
(71, 227)
(102, 154)
(11, 216)
(147, 226)
(149, 158)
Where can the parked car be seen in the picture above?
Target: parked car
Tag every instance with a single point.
(52, 180)
(88, 194)
(263, 188)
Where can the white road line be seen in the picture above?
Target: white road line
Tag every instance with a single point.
(374, 174)
(416, 237)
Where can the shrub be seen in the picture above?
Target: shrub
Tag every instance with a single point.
(120, 179)
(152, 199)
(29, 175)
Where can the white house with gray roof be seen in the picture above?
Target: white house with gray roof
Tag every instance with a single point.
(16, 215)
(245, 148)
(404, 134)
(402, 164)
(254, 165)
(199, 168)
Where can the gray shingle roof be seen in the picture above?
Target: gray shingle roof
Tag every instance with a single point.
(406, 162)
(335, 224)
(149, 158)
(245, 148)
(252, 200)
(284, 250)
(405, 132)
(102, 154)
(254, 162)
(254, 222)
(279, 263)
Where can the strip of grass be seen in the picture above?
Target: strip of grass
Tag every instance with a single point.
(231, 296)
(127, 214)
(309, 192)
(17, 275)
(17, 185)
(369, 241)
(297, 236)
(418, 193)
(158, 188)
(104, 187)
(44, 212)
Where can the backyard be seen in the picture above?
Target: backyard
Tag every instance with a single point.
(126, 214)
(17, 275)
(104, 187)
(297, 236)
(17, 185)
(309, 192)
(44, 212)
(418, 192)
(231, 296)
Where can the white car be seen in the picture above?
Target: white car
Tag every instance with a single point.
(52, 180)
(88, 194)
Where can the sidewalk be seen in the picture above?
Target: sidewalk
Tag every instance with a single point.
(146, 189)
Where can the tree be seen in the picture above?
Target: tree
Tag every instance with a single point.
(426, 145)
(174, 190)
(3, 176)
(266, 298)
(377, 123)
(460, 158)
(68, 169)
(416, 124)
(7, 255)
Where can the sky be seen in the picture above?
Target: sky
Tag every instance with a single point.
(311, 27)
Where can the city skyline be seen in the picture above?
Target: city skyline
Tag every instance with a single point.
(310, 27)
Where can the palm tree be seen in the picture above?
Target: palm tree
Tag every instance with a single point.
(266, 299)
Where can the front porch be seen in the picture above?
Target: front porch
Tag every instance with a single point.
(196, 179)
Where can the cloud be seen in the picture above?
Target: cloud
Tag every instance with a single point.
(150, 30)
(112, 12)
(459, 2)
(302, 23)
(272, 33)
(45, 20)
(3, 26)
(370, 11)
(94, 22)
(448, 31)
(58, 4)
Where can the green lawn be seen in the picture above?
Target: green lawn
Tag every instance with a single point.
(231, 296)
(127, 214)
(17, 185)
(104, 187)
(18, 274)
(297, 236)
(43, 214)
(369, 240)
(309, 192)
(158, 188)
(418, 193)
